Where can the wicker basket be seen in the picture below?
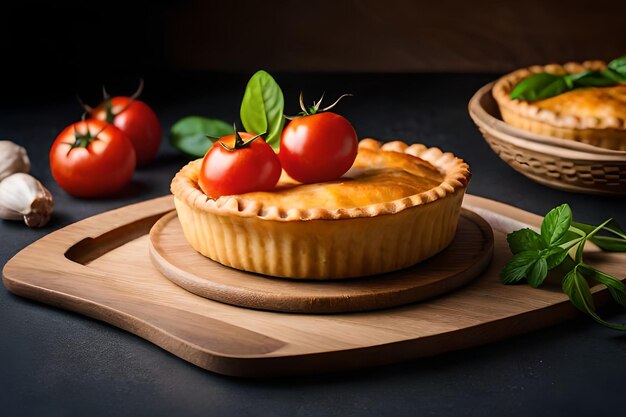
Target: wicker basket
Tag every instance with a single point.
(555, 162)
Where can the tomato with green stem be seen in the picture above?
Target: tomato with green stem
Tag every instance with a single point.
(133, 117)
(237, 164)
(318, 145)
(92, 158)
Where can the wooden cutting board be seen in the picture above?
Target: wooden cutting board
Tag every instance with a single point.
(100, 267)
(467, 256)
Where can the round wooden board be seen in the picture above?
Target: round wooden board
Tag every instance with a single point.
(467, 256)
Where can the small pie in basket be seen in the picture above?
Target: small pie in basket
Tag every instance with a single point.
(595, 115)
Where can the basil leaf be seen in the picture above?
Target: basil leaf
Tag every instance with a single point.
(615, 76)
(524, 239)
(577, 76)
(593, 79)
(556, 223)
(616, 287)
(538, 272)
(189, 134)
(262, 108)
(518, 267)
(555, 88)
(618, 65)
(544, 85)
(539, 86)
(577, 289)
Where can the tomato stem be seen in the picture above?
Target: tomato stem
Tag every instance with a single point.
(315, 108)
(105, 94)
(82, 104)
(110, 116)
(138, 92)
(239, 142)
(336, 102)
(83, 140)
(108, 107)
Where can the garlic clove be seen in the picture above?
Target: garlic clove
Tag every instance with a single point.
(24, 197)
(13, 158)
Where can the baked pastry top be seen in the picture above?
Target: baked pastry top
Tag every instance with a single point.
(375, 177)
(381, 181)
(597, 102)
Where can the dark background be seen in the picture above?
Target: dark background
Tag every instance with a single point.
(77, 46)
(429, 58)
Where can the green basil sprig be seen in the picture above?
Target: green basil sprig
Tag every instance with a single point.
(261, 111)
(262, 108)
(190, 134)
(544, 85)
(534, 254)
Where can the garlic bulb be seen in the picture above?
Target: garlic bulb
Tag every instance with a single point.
(13, 158)
(23, 197)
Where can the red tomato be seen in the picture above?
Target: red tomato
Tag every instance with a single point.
(137, 121)
(92, 159)
(254, 167)
(318, 147)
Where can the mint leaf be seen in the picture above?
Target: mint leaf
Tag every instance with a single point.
(518, 267)
(556, 256)
(579, 251)
(610, 244)
(577, 289)
(538, 273)
(524, 239)
(587, 228)
(607, 243)
(614, 228)
(616, 287)
(534, 255)
(556, 223)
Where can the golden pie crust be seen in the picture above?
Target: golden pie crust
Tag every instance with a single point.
(395, 207)
(593, 115)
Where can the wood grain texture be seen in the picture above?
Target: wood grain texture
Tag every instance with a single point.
(463, 260)
(122, 287)
(555, 162)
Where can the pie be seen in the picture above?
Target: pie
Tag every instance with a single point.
(395, 207)
(593, 115)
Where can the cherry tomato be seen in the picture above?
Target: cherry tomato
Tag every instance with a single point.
(137, 120)
(239, 167)
(92, 159)
(318, 147)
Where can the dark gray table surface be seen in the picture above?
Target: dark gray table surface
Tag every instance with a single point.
(57, 363)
